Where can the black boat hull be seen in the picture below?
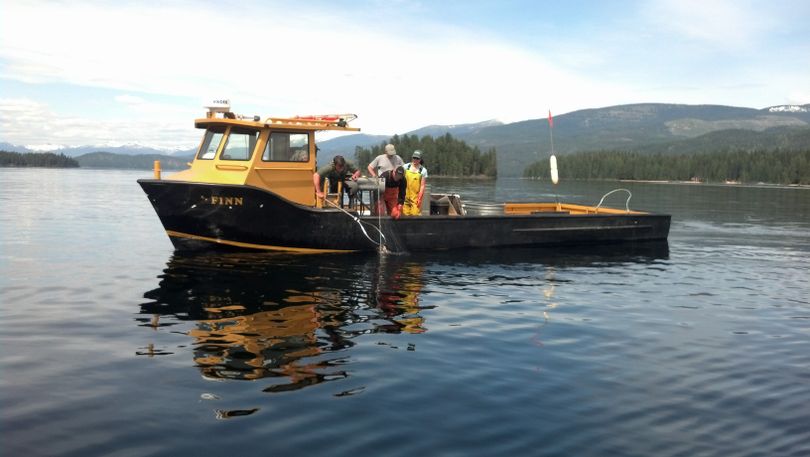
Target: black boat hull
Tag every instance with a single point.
(198, 215)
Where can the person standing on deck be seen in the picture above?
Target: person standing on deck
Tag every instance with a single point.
(387, 162)
(415, 179)
(394, 196)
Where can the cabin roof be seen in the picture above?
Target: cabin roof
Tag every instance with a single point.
(286, 123)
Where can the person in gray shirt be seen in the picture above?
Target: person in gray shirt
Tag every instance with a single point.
(385, 162)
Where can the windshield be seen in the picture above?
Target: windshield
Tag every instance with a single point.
(213, 136)
(239, 145)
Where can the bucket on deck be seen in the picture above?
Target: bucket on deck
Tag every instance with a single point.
(440, 206)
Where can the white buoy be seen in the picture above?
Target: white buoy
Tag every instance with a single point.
(555, 177)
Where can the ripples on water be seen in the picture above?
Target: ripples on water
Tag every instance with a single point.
(112, 345)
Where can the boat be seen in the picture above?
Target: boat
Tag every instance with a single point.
(250, 187)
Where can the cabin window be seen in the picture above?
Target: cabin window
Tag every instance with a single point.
(210, 143)
(239, 145)
(287, 147)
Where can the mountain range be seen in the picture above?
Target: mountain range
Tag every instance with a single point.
(650, 127)
(639, 127)
(131, 149)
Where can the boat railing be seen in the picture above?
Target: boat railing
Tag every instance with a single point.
(626, 203)
(309, 122)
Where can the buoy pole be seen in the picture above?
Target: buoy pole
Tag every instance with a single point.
(555, 177)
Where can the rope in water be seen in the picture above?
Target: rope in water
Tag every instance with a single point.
(360, 222)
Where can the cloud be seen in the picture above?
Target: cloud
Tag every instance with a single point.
(288, 63)
(798, 97)
(726, 24)
(399, 67)
(27, 122)
(130, 100)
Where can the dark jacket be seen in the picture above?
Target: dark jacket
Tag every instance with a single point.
(391, 183)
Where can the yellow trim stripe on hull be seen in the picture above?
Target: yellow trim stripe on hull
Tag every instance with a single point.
(172, 233)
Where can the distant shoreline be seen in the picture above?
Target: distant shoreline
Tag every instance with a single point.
(719, 184)
(479, 177)
(40, 166)
(88, 168)
(488, 178)
(691, 183)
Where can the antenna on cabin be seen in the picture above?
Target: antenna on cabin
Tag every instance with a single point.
(222, 105)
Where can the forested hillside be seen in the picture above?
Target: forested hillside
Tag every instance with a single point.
(775, 166)
(777, 155)
(36, 159)
(123, 161)
(785, 138)
(443, 156)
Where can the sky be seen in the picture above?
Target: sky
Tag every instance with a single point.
(138, 72)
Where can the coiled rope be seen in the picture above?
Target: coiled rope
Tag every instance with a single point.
(626, 203)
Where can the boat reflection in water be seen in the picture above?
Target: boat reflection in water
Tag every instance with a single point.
(291, 318)
(284, 316)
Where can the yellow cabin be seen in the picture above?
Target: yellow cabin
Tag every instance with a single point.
(276, 154)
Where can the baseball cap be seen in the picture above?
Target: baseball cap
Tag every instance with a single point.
(389, 149)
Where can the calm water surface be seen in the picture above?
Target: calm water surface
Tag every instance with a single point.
(113, 345)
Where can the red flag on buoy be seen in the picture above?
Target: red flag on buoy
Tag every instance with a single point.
(550, 120)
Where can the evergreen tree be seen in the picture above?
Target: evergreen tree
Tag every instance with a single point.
(36, 159)
(751, 165)
(443, 156)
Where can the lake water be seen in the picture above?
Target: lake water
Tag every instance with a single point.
(113, 345)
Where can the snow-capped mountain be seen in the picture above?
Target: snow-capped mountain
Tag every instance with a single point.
(126, 149)
(789, 109)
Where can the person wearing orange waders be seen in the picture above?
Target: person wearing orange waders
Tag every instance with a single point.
(415, 178)
(394, 195)
(383, 166)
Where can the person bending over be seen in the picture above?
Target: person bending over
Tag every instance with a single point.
(337, 171)
(394, 196)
